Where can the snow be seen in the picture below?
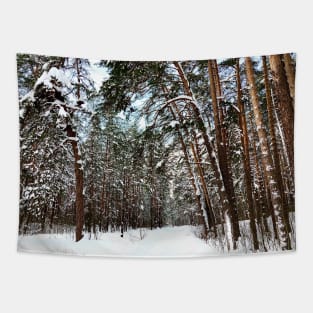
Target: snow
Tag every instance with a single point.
(121, 115)
(59, 75)
(72, 138)
(180, 98)
(174, 123)
(29, 96)
(22, 112)
(235, 107)
(178, 241)
(99, 74)
(142, 124)
(45, 66)
(159, 164)
(62, 112)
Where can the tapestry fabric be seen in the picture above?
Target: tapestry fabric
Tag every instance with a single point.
(156, 158)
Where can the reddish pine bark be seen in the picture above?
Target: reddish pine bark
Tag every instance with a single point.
(284, 102)
(246, 158)
(222, 143)
(265, 154)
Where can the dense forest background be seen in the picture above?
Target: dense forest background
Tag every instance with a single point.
(111, 146)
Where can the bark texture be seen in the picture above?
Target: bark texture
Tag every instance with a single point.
(265, 154)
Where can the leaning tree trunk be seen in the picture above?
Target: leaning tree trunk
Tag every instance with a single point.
(208, 211)
(227, 208)
(269, 169)
(203, 213)
(197, 156)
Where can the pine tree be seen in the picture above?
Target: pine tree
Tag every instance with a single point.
(269, 169)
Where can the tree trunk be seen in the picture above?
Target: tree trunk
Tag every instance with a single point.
(284, 102)
(246, 158)
(197, 156)
(79, 200)
(290, 73)
(227, 208)
(269, 169)
(196, 188)
(53, 209)
(78, 170)
(277, 166)
(43, 219)
(209, 215)
(221, 142)
(261, 181)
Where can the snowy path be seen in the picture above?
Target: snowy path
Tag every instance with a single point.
(165, 242)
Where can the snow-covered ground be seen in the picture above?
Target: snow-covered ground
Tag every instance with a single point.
(179, 241)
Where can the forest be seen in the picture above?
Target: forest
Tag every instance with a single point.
(122, 146)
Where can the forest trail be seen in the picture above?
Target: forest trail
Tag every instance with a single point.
(178, 241)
